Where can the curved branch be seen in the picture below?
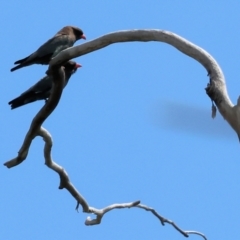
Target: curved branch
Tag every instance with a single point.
(164, 220)
(196, 233)
(58, 84)
(101, 212)
(64, 179)
(216, 89)
(66, 183)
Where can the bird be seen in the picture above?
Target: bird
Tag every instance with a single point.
(42, 89)
(63, 39)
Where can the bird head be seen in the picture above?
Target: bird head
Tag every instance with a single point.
(78, 33)
(71, 66)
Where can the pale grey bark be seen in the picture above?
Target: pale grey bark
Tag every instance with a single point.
(216, 90)
(66, 183)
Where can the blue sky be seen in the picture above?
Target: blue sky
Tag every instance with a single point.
(134, 123)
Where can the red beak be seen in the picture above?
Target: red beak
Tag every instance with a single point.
(78, 65)
(83, 37)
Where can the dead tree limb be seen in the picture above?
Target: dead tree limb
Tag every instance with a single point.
(216, 89)
(66, 183)
(58, 84)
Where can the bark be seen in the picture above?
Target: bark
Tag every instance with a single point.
(216, 90)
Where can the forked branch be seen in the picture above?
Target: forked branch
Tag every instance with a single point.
(216, 90)
(66, 183)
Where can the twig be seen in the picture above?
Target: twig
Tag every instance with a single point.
(66, 183)
(196, 233)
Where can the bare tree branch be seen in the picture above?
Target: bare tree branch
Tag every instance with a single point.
(64, 179)
(100, 212)
(164, 220)
(216, 89)
(46, 110)
(196, 233)
(66, 183)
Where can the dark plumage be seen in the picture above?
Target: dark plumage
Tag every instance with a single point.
(42, 89)
(65, 38)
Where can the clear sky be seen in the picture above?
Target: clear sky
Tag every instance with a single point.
(134, 123)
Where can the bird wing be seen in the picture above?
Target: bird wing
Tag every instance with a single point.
(52, 46)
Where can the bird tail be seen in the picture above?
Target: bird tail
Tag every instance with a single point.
(31, 59)
(20, 101)
(18, 66)
(21, 60)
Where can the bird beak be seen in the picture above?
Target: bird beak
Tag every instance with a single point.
(78, 66)
(83, 37)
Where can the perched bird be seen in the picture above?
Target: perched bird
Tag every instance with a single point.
(65, 38)
(42, 89)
